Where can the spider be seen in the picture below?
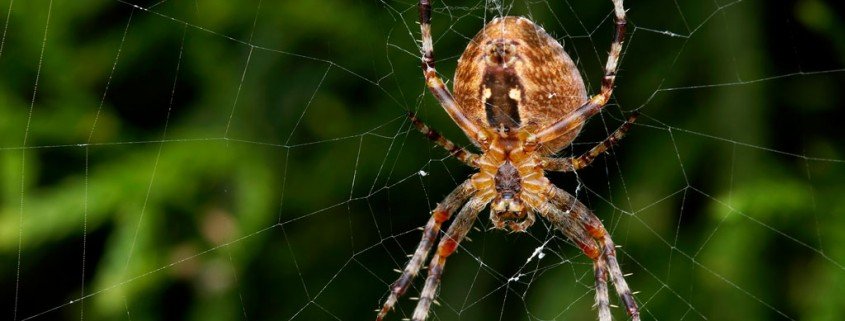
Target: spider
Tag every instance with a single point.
(520, 99)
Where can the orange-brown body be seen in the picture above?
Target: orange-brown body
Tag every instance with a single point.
(551, 86)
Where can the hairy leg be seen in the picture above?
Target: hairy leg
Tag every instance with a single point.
(460, 153)
(441, 213)
(618, 278)
(602, 297)
(436, 85)
(448, 244)
(571, 164)
(562, 219)
(578, 223)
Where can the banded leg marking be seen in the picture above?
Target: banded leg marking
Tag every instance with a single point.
(618, 278)
(436, 85)
(572, 212)
(602, 296)
(448, 244)
(571, 164)
(441, 213)
(460, 153)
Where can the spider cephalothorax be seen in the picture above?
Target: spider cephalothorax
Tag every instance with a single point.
(519, 98)
(514, 178)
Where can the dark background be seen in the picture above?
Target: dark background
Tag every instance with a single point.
(225, 160)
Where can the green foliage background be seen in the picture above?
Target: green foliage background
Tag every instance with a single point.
(226, 160)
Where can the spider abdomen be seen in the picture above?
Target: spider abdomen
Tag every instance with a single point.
(514, 76)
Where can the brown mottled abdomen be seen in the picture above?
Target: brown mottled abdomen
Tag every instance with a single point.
(513, 62)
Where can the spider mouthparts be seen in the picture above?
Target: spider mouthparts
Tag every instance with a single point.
(507, 206)
(513, 220)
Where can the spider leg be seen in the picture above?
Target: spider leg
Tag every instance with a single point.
(448, 244)
(578, 223)
(440, 214)
(602, 296)
(571, 164)
(436, 85)
(578, 234)
(618, 278)
(577, 117)
(460, 153)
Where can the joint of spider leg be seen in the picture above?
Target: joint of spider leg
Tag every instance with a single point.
(608, 80)
(431, 77)
(483, 139)
(597, 231)
(632, 118)
(472, 160)
(530, 143)
(621, 25)
(425, 11)
(427, 61)
(427, 57)
(599, 100)
(397, 291)
(447, 247)
(440, 216)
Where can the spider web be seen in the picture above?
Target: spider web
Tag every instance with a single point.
(222, 160)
